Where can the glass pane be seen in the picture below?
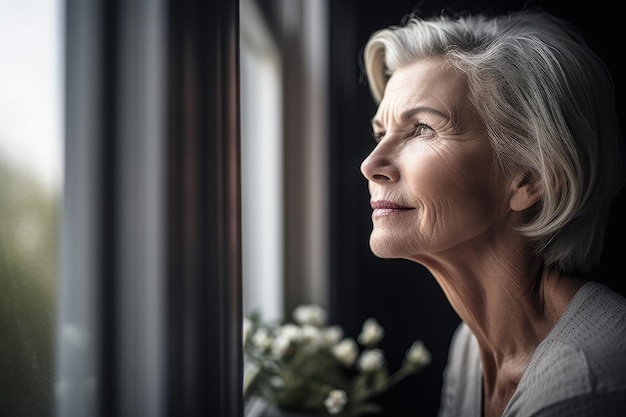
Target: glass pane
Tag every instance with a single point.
(30, 194)
(262, 171)
(261, 164)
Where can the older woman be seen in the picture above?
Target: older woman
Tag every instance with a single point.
(498, 156)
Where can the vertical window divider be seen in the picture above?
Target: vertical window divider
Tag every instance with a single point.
(205, 372)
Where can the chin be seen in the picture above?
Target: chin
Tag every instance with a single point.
(385, 248)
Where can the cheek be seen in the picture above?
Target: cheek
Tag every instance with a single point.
(456, 200)
(456, 189)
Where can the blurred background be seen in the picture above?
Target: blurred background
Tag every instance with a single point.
(167, 167)
(31, 189)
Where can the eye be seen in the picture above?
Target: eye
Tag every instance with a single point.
(422, 129)
(378, 135)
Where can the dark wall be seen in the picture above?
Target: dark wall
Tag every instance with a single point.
(400, 294)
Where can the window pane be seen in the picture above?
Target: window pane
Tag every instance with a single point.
(30, 193)
(261, 164)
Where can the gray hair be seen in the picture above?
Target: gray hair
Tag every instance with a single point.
(547, 101)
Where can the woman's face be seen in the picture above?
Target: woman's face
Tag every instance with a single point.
(431, 177)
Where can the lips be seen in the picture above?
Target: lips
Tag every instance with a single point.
(387, 208)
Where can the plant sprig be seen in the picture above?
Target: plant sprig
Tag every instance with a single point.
(307, 365)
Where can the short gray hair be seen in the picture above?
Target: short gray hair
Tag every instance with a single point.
(547, 101)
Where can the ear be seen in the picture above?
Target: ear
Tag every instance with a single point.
(526, 192)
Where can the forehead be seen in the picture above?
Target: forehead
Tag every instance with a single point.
(428, 82)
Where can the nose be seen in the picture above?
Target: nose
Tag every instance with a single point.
(379, 167)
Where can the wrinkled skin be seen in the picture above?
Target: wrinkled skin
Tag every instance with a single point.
(433, 159)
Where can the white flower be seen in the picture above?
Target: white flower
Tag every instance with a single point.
(371, 333)
(311, 333)
(371, 360)
(284, 336)
(346, 351)
(310, 314)
(335, 401)
(280, 346)
(262, 339)
(290, 331)
(332, 335)
(246, 328)
(418, 355)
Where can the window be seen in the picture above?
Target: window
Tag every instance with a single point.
(135, 223)
(285, 154)
(31, 190)
(262, 165)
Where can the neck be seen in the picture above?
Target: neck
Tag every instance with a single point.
(510, 301)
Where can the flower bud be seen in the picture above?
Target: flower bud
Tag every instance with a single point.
(332, 335)
(262, 339)
(418, 356)
(290, 331)
(371, 333)
(280, 346)
(246, 329)
(371, 360)
(346, 351)
(311, 314)
(336, 400)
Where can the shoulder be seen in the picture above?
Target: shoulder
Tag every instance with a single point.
(605, 404)
(583, 358)
(594, 325)
(460, 394)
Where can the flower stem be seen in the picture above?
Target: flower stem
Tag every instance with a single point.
(396, 377)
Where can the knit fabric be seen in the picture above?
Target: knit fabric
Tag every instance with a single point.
(578, 370)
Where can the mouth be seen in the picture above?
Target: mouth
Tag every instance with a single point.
(388, 208)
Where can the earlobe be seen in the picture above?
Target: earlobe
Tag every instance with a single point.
(527, 192)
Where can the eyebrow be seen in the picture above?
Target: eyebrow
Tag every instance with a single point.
(408, 115)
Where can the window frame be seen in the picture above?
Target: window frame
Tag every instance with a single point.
(151, 235)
